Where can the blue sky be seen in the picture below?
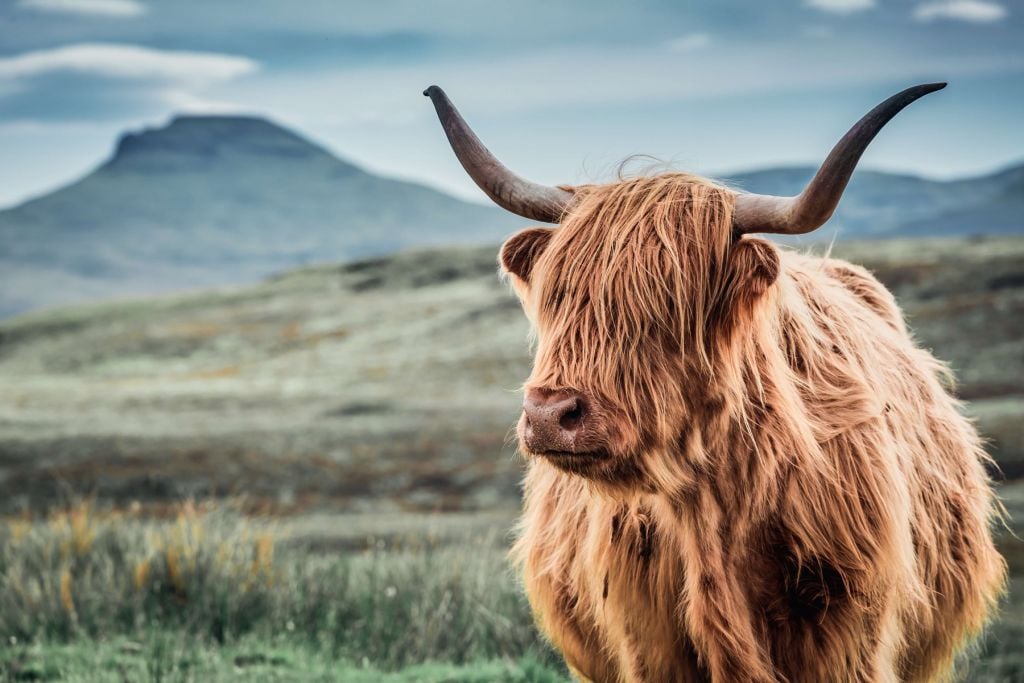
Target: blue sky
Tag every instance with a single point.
(562, 91)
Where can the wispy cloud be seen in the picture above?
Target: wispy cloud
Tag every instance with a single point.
(107, 8)
(689, 42)
(100, 81)
(183, 101)
(841, 6)
(975, 11)
(133, 62)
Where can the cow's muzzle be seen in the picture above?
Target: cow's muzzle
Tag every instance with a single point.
(561, 423)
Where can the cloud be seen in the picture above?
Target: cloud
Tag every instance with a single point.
(689, 42)
(105, 81)
(841, 6)
(975, 11)
(107, 8)
(127, 62)
(183, 101)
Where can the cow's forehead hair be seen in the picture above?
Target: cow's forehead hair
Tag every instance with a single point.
(632, 258)
(639, 227)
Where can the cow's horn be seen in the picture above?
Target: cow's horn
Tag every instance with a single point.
(505, 188)
(812, 207)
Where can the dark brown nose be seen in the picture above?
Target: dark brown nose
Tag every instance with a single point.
(556, 422)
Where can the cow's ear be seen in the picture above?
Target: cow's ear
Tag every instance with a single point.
(753, 267)
(520, 251)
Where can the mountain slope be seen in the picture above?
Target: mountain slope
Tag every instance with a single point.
(211, 200)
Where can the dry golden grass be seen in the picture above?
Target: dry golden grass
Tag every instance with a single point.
(87, 573)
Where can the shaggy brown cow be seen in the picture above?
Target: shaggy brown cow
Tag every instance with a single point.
(740, 465)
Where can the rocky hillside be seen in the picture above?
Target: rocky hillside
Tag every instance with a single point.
(385, 384)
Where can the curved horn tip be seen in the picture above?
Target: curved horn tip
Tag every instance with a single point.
(924, 89)
(505, 188)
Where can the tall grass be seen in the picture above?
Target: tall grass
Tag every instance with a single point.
(86, 574)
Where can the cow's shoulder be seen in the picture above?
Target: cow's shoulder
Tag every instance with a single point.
(855, 279)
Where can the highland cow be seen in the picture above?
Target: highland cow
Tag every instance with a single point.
(740, 465)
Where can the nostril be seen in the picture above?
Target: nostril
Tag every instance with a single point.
(571, 419)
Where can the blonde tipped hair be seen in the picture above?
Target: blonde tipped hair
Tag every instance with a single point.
(792, 493)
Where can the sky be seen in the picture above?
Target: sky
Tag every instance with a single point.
(561, 91)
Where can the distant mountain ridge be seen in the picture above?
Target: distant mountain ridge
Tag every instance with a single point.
(884, 205)
(209, 200)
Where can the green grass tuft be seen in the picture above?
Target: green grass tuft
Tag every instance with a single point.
(206, 581)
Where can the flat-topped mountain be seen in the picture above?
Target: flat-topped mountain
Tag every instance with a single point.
(201, 142)
(209, 200)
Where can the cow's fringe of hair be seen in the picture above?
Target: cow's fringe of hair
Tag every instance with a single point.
(652, 270)
(784, 456)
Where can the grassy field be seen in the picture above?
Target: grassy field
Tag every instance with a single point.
(174, 656)
(87, 595)
(209, 594)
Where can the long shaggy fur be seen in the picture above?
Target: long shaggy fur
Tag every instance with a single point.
(792, 493)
